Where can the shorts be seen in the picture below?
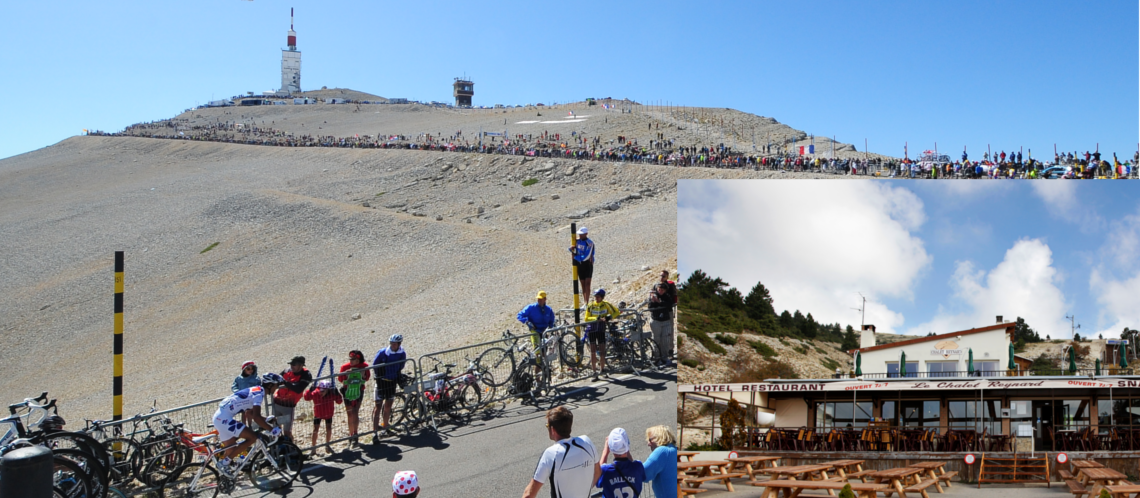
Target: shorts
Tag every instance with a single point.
(596, 333)
(585, 270)
(385, 389)
(284, 416)
(317, 421)
(228, 429)
(353, 403)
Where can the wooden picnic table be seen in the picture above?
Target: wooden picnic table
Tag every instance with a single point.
(1101, 477)
(841, 466)
(929, 469)
(1123, 491)
(792, 488)
(687, 455)
(708, 470)
(750, 466)
(896, 478)
(797, 470)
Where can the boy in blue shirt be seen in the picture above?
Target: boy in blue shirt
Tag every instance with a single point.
(624, 477)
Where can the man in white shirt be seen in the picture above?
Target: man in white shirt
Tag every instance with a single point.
(570, 465)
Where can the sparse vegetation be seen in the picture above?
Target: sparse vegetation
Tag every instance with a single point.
(529, 181)
(800, 349)
(765, 350)
(211, 246)
(774, 369)
(830, 364)
(689, 362)
(380, 194)
(726, 339)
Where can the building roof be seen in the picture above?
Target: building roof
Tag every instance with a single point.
(916, 340)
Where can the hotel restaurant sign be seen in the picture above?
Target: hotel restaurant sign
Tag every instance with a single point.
(923, 385)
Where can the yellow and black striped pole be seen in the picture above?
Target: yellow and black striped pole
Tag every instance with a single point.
(117, 409)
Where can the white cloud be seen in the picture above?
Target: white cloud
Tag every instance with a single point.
(1024, 284)
(1060, 198)
(1119, 300)
(816, 245)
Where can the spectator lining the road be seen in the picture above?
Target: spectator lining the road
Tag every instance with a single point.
(352, 388)
(405, 484)
(570, 465)
(661, 465)
(583, 252)
(661, 303)
(624, 477)
(285, 400)
(325, 398)
(389, 362)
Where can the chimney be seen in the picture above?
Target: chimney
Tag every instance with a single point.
(999, 319)
(867, 336)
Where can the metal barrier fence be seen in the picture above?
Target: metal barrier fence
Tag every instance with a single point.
(415, 403)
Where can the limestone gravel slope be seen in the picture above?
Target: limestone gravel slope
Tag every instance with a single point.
(308, 239)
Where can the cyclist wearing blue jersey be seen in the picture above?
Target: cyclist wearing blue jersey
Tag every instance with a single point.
(625, 477)
(537, 317)
(246, 401)
(583, 252)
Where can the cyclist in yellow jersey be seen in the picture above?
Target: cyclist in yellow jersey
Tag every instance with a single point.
(598, 316)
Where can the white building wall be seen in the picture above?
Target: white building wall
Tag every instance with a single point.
(290, 71)
(791, 413)
(991, 345)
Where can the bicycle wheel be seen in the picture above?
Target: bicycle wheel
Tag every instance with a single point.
(78, 441)
(278, 469)
(649, 351)
(70, 480)
(570, 351)
(497, 362)
(158, 469)
(399, 410)
(464, 401)
(415, 413)
(192, 480)
(90, 466)
(126, 459)
(115, 493)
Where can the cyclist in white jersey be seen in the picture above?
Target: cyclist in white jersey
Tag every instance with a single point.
(249, 401)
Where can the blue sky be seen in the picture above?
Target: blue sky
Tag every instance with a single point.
(929, 256)
(964, 73)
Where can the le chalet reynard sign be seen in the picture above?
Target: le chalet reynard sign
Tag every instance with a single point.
(946, 349)
(924, 385)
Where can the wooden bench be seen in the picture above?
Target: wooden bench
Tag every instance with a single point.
(860, 475)
(1122, 491)
(921, 487)
(867, 489)
(946, 477)
(723, 478)
(691, 491)
(1076, 488)
(1065, 475)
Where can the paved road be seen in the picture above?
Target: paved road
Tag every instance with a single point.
(496, 456)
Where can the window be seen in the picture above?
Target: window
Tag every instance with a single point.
(921, 413)
(840, 414)
(979, 415)
(986, 367)
(1074, 413)
(893, 369)
(942, 368)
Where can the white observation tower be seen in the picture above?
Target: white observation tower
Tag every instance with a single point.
(291, 62)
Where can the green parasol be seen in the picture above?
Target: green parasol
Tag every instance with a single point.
(970, 363)
(858, 364)
(1072, 361)
(1098, 366)
(1124, 359)
(902, 365)
(1012, 365)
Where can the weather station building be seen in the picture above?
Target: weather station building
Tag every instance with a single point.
(463, 90)
(291, 62)
(939, 396)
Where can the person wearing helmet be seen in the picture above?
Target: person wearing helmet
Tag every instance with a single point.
(229, 430)
(389, 363)
(247, 379)
(405, 484)
(352, 388)
(325, 397)
(583, 252)
(598, 316)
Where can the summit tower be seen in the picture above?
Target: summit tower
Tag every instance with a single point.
(291, 62)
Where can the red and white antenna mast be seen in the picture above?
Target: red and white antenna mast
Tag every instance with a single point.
(292, 41)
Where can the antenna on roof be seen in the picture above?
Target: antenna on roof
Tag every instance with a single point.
(862, 311)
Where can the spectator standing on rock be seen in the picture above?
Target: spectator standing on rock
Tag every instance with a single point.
(661, 321)
(570, 465)
(624, 477)
(388, 362)
(583, 252)
(662, 461)
(352, 388)
(285, 400)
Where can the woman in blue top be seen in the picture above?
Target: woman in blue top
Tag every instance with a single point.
(661, 465)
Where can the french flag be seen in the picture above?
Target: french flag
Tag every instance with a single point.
(807, 149)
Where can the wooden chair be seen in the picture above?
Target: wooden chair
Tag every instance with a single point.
(886, 440)
(941, 439)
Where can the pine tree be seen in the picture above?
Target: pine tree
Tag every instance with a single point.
(850, 340)
(758, 303)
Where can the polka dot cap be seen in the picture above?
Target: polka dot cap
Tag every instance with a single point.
(405, 482)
